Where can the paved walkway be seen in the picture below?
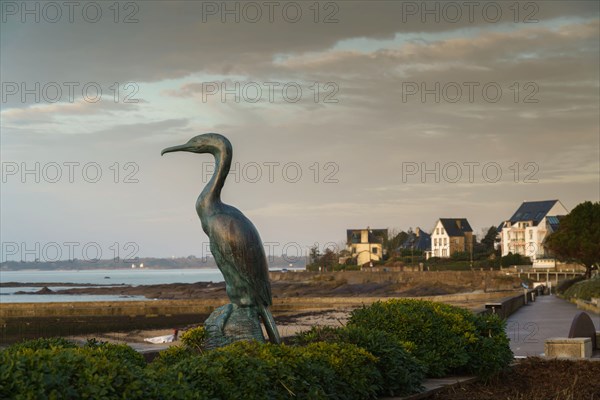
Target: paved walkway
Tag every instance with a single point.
(549, 316)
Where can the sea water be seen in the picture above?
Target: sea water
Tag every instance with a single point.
(138, 276)
(104, 277)
(98, 277)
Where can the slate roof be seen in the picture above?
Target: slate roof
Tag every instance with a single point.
(456, 226)
(554, 221)
(421, 242)
(532, 211)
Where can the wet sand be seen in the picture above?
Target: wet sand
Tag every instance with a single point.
(280, 289)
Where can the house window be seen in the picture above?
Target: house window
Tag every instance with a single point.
(435, 242)
(444, 252)
(437, 231)
(374, 250)
(530, 234)
(445, 241)
(442, 231)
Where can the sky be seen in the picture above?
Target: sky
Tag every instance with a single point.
(342, 114)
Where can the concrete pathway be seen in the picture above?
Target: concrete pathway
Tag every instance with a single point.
(549, 316)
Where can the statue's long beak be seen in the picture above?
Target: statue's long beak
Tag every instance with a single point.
(181, 147)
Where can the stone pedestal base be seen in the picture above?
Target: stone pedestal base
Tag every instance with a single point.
(568, 347)
(231, 323)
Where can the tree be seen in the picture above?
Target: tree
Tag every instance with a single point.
(394, 241)
(314, 255)
(578, 236)
(514, 259)
(329, 260)
(489, 239)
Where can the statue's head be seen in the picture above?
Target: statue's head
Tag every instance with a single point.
(205, 143)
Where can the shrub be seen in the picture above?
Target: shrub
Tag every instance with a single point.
(514, 259)
(42, 343)
(401, 372)
(447, 338)
(171, 356)
(567, 283)
(248, 370)
(69, 373)
(121, 353)
(440, 332)
(214, 375)
(491, 353)
(460, 256)
(193, 343)
(584, 290)
(346, 267)
(195, 338)
(356, 376)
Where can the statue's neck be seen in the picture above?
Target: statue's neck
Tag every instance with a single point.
(209, 200)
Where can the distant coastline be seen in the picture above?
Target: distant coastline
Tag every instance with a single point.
(190, 262)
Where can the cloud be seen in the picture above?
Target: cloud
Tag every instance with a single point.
(48, 113)
(371, 54)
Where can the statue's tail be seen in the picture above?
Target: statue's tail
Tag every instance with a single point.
(269, 322)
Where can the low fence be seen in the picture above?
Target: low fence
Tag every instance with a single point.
(507, 306)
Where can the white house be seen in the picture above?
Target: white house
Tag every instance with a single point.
(451, 235)
(524, 233)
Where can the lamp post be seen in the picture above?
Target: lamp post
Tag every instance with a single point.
(471, 253)
(369, 232)
(412, 246)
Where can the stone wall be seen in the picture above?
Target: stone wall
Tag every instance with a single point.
(482, 280)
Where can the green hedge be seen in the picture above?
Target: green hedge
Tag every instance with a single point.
(448, 339)
(48, 369)
(386, 349)
(249, 370)
(58, 370)
(402, 373)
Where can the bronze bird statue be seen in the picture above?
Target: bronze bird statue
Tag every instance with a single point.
(234, 241)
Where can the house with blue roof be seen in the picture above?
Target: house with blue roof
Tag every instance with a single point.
(525, 232)
(417, 240)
